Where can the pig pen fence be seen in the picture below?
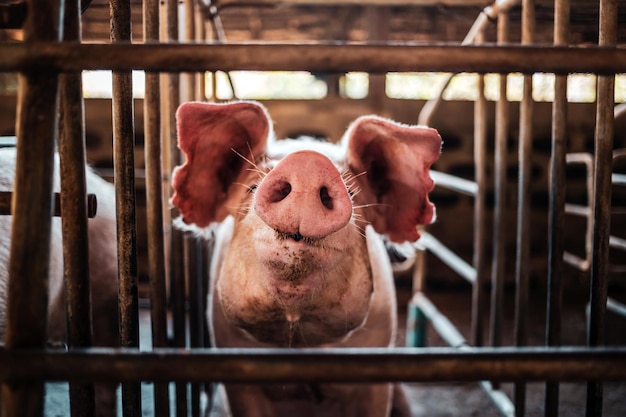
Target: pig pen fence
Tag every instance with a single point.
(50, 68)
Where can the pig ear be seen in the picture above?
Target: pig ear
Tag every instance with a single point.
(391, 163)
(215, 139)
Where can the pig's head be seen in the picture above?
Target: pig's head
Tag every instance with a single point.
(297, 271)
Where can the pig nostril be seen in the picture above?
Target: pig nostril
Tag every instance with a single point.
(325, 198)
(280, 192)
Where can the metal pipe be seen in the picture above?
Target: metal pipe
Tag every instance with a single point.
(489, 13)
(177, 248)
(194, 277)
(603, 167)
(154, 203)
(257, 365)
(331, 57)
(454, 183)
(448, 257)
(74, 212)
(556, 211)
(522, 272)
(124, 166)
(480, 151)
(7, 196)
(27, 292)
(500, 180)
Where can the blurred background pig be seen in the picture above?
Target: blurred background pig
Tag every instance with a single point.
(299, 260)
(102, 266)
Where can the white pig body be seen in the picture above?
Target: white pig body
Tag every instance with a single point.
(299, 261)
(102, 265)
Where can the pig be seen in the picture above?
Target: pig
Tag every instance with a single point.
(299, 259)
(102, 265)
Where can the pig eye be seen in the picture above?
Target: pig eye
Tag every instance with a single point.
(252, 188)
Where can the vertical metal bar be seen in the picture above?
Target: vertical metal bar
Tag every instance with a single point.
(74, 214)
(523, 215)
(124, 167)
(36, 129)
(194, 271)
(500, 167)
(556, 213)
(154, 206)
(189, 78)
(177, 248)
(601, 200)
(480, 143)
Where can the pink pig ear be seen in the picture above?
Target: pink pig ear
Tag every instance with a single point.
(215, 139)
(391, 164)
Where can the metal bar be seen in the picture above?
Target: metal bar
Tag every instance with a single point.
(124, 166)
(522, 273)
(480, 151)
(603, 166)
(6, 197)
(440, 322)
(454, 183)
(154, 203)
(27, 292)
(194, 277)
(303, 365)
(380, 57)
(556, 211)
(616, 307)
(448, 257)
(500, 169)
(259, 3)
(74, 211)
(178, 278)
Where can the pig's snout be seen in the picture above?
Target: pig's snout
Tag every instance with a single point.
(304, 196)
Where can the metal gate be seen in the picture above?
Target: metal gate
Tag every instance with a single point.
(50, 68)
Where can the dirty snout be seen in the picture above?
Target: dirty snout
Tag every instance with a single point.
(304, 197)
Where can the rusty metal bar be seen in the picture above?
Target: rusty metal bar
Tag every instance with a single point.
(6, 197)
(154, 204)
(480, 175)
(522, 267)
(556, 211)
(124, 166)
(500, 182)
(194, 277)
(178, 273)
(603, 167)
(27, 293)
(74, 212)
(331, 57)
(303, 365)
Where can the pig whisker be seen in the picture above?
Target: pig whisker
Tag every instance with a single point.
(255, 168)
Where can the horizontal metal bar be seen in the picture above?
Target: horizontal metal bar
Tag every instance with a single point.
(617, 243)
(578, 210)
(337, 57)
(618, 179)
(326, 365)
(231, 3)
(454, 183)
(448, 257)
(6, 197)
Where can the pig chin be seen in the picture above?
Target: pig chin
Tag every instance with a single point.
(307, 292)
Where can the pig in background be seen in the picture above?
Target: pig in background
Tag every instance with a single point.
(102, 266)
(299, 260)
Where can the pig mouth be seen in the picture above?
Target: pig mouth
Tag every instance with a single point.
(296, 237)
